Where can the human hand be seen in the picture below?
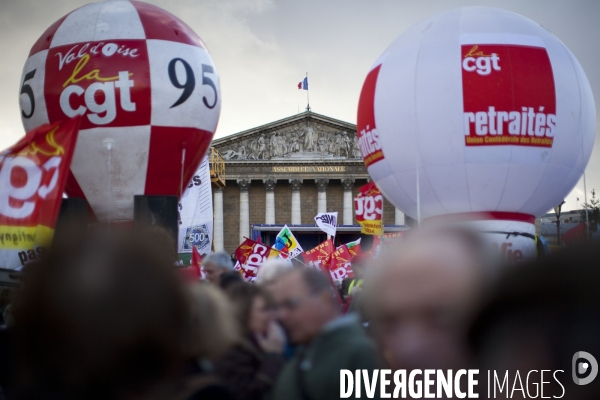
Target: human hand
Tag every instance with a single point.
(274, 340)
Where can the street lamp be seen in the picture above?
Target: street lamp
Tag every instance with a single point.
(557, 211)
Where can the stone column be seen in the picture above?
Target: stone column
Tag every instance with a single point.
(399, 218)
(270, 200)
(296, 210)
(348, 201)
(322, 195)
(218, 219)
(244, 209)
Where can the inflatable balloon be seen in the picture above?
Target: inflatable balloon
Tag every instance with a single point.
(477, 113)
(148, 91)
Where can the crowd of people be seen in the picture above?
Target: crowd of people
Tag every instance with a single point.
(108, 316)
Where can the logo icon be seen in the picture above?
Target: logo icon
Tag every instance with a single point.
(508, 102)
(584, 364)
(196, 236)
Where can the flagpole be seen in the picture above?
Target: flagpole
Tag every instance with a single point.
(307, 98)
(183, 145)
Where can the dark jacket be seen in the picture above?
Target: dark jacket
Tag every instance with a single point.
(314, 372)
(248, 371)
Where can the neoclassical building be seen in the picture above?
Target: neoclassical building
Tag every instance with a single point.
(286, 172)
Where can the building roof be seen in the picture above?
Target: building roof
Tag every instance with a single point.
(549, 228)
(285, 121)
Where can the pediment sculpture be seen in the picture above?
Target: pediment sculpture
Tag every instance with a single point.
(302, 141)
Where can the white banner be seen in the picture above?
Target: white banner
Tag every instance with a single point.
(196, 213)
(327, 222)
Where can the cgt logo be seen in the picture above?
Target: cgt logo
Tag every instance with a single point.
(482, 63)
(585, 368)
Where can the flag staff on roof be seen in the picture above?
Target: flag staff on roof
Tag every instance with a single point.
(303, 85)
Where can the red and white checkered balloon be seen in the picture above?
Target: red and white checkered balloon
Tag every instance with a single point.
(147, 88)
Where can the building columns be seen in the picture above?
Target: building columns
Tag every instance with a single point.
(322, 195)
(244, 209)
(296, 206)
(218, 219)
(399, 218)
(270, 200)
(348, 201)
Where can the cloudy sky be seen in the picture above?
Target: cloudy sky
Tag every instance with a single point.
(263, 48)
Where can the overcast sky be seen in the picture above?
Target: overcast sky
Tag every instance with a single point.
(263, 48)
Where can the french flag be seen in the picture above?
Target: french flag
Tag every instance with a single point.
(304, 84)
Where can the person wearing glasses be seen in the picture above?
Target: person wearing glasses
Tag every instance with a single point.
(327, 342)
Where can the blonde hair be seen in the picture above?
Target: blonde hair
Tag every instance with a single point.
(213, 328)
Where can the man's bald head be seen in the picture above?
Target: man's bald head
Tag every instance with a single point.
(421, 294)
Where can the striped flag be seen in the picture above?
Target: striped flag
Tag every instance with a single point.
(303, 84)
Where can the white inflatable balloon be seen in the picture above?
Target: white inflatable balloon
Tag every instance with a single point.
(480, 110)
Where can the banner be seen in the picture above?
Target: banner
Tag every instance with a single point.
(33, 174)
(196, 215)
(318, 257)
(251, 255)
(340, 266)
(368, 207)
(327, 222)
(287, 242)
(354, 248)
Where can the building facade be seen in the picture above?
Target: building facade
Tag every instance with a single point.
(286, 172)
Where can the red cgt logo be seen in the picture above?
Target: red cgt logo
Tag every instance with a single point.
(508, 95)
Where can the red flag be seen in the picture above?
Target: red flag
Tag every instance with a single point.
(33, 174)
(340, 266)
(196, 258)
(355, 250)
(368, 207)
(251, 255)
(318, 257)
(193, 273)
(197, 263)
(244, 250)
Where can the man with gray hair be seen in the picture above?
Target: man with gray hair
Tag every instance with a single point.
(270, 270)
(215, 264)
(328, 342)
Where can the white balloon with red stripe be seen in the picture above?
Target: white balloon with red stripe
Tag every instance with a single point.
(480, 113)
(149, 93)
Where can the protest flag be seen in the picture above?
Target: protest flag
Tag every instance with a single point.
(340, 263)
(33, 174)
(251, 255)
(368, 207)
(327, 222)
(318, 257)
(286, 242)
